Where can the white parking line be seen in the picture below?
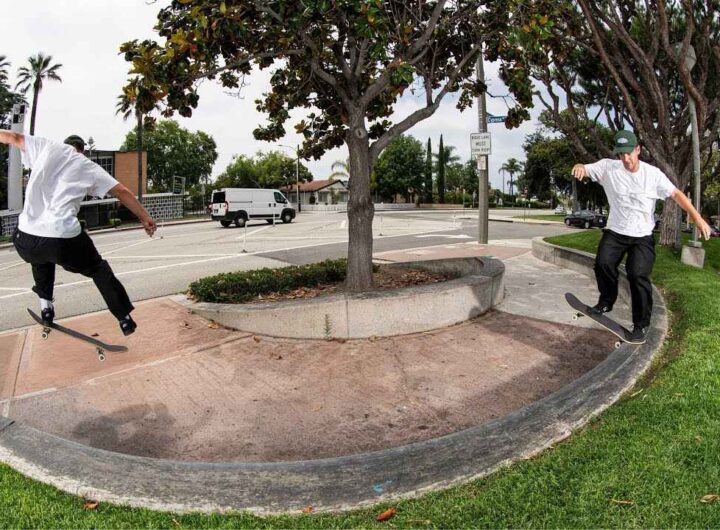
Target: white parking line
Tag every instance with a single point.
(173, 256)
(218, 258)
(11, 266)
(141, 242)
(255, 231)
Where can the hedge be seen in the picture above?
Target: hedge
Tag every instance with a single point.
(241, 287)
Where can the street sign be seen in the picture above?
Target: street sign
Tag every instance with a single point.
(480, 144)
(496, 119)
(482, 163)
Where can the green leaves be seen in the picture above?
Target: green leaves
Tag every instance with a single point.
(175, 151)
(240, 287)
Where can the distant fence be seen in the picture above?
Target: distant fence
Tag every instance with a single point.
(343, 207)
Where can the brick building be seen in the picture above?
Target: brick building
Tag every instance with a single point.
(122, 165)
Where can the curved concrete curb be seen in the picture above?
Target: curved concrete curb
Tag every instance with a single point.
(478, 286)
(335, 483)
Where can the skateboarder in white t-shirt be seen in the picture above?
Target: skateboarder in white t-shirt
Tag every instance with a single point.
(49, 232)
(631, 187)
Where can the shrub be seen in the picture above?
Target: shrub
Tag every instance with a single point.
(240, 287)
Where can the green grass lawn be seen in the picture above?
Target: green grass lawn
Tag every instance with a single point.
(646, 462)
(558, 218)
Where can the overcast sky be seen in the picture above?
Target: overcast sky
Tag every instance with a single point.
(85, 35)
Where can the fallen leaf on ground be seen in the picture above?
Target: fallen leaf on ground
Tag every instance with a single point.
(175, 523)
(213, 325)
(622, 503)
(256, 339)
(95, 335)
(90, 505)
(710, 498)
(308, 509)
(387, 514)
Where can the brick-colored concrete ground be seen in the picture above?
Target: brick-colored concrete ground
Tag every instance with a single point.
(188, 390)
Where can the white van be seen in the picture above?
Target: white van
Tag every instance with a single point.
(240, 205)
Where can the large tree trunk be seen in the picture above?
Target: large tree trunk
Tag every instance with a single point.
(670, 225)
(360, 209)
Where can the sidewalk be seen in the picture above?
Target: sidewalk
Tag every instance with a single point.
(188, 390)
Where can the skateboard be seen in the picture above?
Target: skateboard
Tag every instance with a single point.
(100, 347)
(621, 332)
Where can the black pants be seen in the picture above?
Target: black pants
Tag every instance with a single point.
(77, 254)
(640, 260)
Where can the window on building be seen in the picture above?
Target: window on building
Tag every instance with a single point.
(105, 162)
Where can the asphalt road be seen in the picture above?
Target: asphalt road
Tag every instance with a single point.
(180, 254)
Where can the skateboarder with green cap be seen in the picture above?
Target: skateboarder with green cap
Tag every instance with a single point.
(632, 187)
(49, 232)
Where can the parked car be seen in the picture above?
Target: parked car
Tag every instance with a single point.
(559, 210)
(586, 219)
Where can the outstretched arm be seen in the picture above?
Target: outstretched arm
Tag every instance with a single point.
(12, 138)
(684, 203)
(125, 196)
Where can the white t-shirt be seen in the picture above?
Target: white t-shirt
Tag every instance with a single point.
(631, 196)
(60, 179)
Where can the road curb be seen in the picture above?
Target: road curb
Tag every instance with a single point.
(345, 482)
(127, 228)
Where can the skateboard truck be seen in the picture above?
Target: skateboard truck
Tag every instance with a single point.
(100, 347)
(584, 310)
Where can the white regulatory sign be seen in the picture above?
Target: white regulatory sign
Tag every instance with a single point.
(480, 144)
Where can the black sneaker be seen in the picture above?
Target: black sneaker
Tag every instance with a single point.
(601, 308)
(47, 316)
(638, 335)
(127, 325)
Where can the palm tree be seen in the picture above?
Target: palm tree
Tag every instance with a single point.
(340, 170)
(33, 76)
(449, 158)
(512, 166)
(4, 65)
(126, 107)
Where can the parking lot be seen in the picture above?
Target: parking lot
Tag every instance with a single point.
(182, 253)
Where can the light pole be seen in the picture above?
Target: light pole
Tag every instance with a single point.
(297, 173)
(698, 257)
(482, 160)
(690, 63)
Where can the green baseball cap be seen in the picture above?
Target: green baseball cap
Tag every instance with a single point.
(625, 142)
(76, 142)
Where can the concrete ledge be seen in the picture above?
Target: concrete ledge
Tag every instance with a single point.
(477, 288)
(335, 483)
(579, 261)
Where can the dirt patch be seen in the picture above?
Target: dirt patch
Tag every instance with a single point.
(384, 278)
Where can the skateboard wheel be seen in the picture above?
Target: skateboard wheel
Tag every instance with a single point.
(100, 354)
(618, 344)
(574, 317)
(44, 335)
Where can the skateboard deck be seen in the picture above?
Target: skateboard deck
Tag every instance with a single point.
(620, 331)
(100, 346)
